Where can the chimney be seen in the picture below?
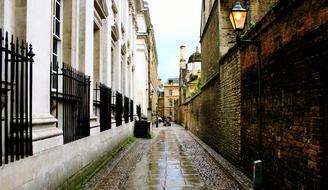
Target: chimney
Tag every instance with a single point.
(182, 57)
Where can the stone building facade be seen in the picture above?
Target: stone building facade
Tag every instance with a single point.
(171, 95)
(292, 143)
(76, 42)
(147, 62)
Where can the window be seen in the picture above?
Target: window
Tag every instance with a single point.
(197, 66)
(170, 92)
(56, 39)
(189, 66)
(123, 75)
(171, 102)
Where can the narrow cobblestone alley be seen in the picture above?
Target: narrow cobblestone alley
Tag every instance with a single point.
(172, 160)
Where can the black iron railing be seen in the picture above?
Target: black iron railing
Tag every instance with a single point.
(118, 108)
(105, 107)
(74, 94)
(16, 71)
(131, 110)
(96, 98)
(126, 109)
(76, 104)
(139, 111)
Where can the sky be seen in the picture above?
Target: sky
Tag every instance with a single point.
(176, 23)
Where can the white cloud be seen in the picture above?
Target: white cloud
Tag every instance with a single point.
(176, 22)
(172, 17)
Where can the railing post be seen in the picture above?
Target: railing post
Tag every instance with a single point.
(6, 100)
(16, 99)
(12, 70)
(30, 56)
(1, 39)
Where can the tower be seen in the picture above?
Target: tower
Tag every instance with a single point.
(182, 57)
(183, 68)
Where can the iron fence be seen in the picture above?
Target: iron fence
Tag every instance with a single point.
(131, 110)
(16, 71)
(139, 111)
(105, 107)
(126, 109)
(118, 108)
(96, 98)
(76, 104)
(73, 91)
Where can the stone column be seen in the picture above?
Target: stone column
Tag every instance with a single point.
(86, 26)
(45, 132)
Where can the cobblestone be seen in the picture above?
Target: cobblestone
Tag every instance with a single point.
(173, 160)
(115, 177)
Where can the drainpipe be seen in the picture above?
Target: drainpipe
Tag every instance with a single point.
(248, 19)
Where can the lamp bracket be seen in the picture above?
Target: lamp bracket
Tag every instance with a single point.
(254, 42)
(240, 41)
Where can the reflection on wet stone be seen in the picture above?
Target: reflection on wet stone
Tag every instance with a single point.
(169, 167)
(167, 153)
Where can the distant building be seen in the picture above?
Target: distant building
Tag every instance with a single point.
(190, 74)
(160, 105)
(171, 94)
(160, 110)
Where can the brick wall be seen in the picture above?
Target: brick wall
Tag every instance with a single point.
(259, 8)
(210, 39)
(294, 55)
(214, 115)
(293, 144)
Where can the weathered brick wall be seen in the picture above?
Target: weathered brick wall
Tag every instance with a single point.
(229, 109)
(218, 35)
(182, 115)
(294, 37)
(259, 8)
(294, 138)
(214, 115)
(209, 46)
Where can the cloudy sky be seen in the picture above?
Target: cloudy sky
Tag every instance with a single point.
(176, 23)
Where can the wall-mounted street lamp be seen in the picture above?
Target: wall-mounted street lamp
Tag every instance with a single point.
(238, 16)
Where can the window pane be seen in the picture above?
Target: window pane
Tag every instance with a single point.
(57, 11)
(54, 62)
(55, 46)
(57, 28)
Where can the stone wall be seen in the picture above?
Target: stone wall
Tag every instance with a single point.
(293, 141)
(51, 168)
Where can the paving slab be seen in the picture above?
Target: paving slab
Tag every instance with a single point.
(167, 166)
(173, 160)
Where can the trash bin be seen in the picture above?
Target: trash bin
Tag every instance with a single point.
(142, 129)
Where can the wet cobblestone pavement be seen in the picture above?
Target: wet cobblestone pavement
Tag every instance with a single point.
(171, 161)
